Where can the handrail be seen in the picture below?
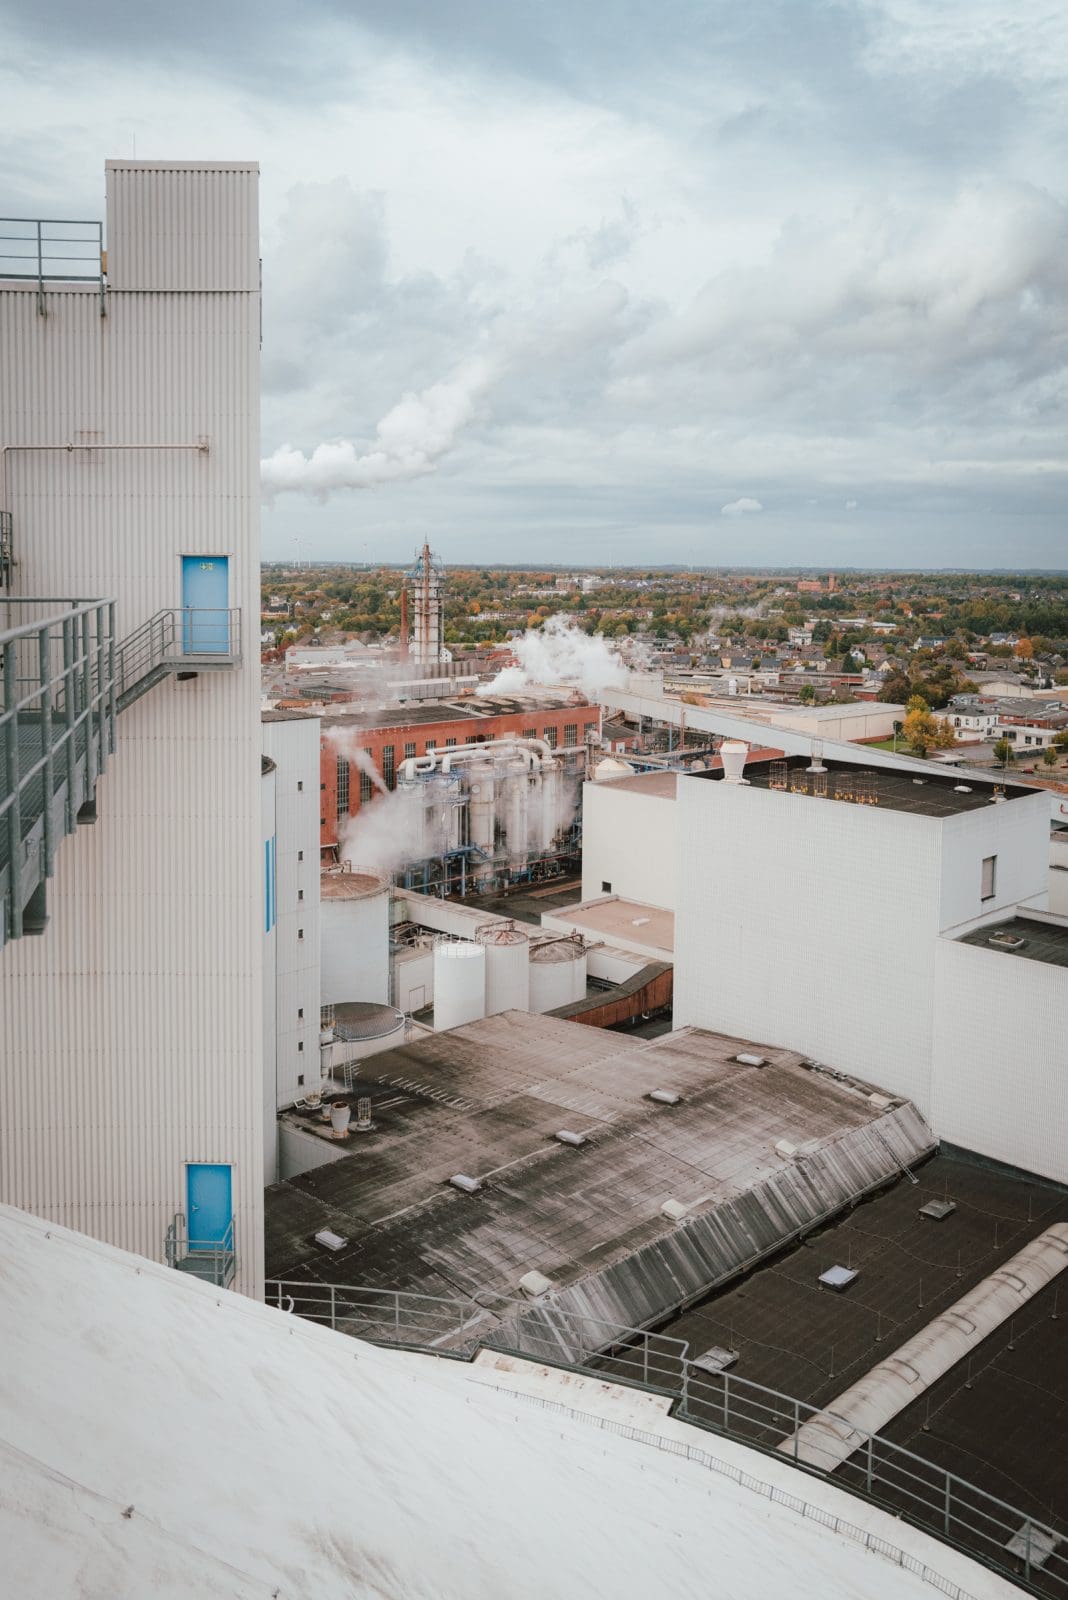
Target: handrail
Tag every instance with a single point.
(49, 263)
(920, 1491)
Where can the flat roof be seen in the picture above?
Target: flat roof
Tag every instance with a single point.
(623, 919)
(1042, 941)
(661, 785)
(486, 1100)
(935, 793)
(997, 1420)
(473, 706)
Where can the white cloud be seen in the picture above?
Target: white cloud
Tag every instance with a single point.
(740, 508)
(851, 505)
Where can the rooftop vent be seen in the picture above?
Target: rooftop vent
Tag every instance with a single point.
(460, 1180)
(747, 1059)
(664, 1097)
(938, 1210)
(535, 1284)
(673, 1210)
(784, 1148)
(733, 753)
(565, 1136)
(881, 1102)
(1006, 941)
(330, 1240)
(717, 1359)
(962, 788)
(919, 780)
(839, 1278)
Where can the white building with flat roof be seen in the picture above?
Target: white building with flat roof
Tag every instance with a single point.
(130, 979)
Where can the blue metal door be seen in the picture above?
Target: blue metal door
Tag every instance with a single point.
(209, 1205)
(205, 598)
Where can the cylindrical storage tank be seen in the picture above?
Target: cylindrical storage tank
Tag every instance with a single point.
(550, 803)
(557, 973)
(459, 983)
(481, 806)
(354, 935)
(515, 809)
(362, 1029)
(507, 968)
(415, 822)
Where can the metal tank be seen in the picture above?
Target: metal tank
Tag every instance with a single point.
(354, 935)
(482, 791)
(550, 804)
(557, 973)
(514, 785)
(459, 983)
(507, 967)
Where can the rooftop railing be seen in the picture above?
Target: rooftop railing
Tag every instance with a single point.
(213, 1261)
(1029, 1550)
(41, 250)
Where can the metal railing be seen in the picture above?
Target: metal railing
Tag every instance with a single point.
(1022, 1547)
(176, 640)
(212, 1260)
(42, 250)
(7, 548)
(57, 729)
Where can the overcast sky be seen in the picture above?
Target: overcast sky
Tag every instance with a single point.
(616, 280)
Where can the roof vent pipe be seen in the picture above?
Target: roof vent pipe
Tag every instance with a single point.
(733, 754)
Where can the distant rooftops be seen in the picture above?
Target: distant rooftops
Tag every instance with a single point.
(927, 794)
(470, 706)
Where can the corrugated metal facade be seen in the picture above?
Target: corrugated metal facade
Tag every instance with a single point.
(131, 1031)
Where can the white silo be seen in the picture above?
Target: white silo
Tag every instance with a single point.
(550, 803)
(482, 805)
(354, 959)
(459, 983)
(507, 967)
(514, 784)
(557, 973)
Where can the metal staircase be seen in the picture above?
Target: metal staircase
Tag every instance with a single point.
(63, 680)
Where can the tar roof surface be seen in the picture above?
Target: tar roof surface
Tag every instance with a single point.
(999, 1420)
(932, 795)
(1043, 941)
(486, 1100)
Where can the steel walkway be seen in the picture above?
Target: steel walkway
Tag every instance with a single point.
(64, 678)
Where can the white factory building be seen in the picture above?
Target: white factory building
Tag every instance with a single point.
(130, 968)
(858, 929)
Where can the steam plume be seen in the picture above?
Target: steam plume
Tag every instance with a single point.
(560, 652)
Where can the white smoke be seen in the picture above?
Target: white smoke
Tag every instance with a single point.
(560, 652)
(409, 441)
(384, 831)
(346, 742)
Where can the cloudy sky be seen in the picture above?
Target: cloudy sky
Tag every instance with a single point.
(759, 281)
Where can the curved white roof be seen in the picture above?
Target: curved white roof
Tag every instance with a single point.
(160, 1437)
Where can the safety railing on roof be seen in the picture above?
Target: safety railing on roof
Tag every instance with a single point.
(1029, 1550)
(42, 250)
(176, 640)
(57, 729)
(213, 1261)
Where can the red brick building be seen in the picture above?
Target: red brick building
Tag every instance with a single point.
(387, 738)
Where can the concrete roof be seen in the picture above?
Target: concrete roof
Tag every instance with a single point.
(622, 919)
(486, 1100)
(1042, 940)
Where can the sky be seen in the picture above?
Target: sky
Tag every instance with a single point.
(767, 281)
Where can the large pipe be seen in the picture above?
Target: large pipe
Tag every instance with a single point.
(429, 762)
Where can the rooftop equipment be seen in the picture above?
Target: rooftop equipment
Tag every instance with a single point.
(673, 1210)
(460, 1180)
(565, 1136)
(938, 1210)
(459, 983)
(839, 1278)
(747, 1059)
(330, 1240)
(716, 1359)
(1003, 940)
(664, 1097)
(535, 1284)
(733, 754)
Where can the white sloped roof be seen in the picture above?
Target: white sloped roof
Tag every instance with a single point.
(162, 1439)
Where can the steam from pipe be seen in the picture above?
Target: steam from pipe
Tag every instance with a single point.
(347, 746)
(409, 441)
(560, 652)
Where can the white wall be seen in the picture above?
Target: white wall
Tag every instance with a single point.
(292, 741)
(269, 924)
(413, 979)
(143, 997)
(999, 1054)
(628, 841)
(355, 949)
(1017, 833)
(1058, 873)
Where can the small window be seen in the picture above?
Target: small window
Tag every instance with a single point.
(322, 822)
(409, 751)
(530, 733)
(300, 933)
(300, 855)
(300, 894)
(300, 1080)
(450, 744)
(990, 877)
(300, 1011)
(300, 785)
(606, 888)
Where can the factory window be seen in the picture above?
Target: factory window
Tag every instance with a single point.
(990, 878)
(300, 1011)
(300, 894)
(342, 786)
(388, 766)
(450, 744)
(409, 751)
(322, 822)
(571, 734)
(300, 855)
(530, 733)
(550, 736)
(606, 888)
(300, 786)
(431, 744)
(300, 1045)
(300, 933)
(366, 787)
(300, 1080)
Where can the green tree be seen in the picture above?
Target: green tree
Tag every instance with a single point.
(806, 694)
(1004, 754)
(1049, 756)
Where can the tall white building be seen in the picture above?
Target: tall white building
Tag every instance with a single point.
(131, 1025)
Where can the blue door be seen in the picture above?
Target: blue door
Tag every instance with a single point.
(209, 1205)
(205, 598)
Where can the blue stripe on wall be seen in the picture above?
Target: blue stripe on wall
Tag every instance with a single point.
(270, 885)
